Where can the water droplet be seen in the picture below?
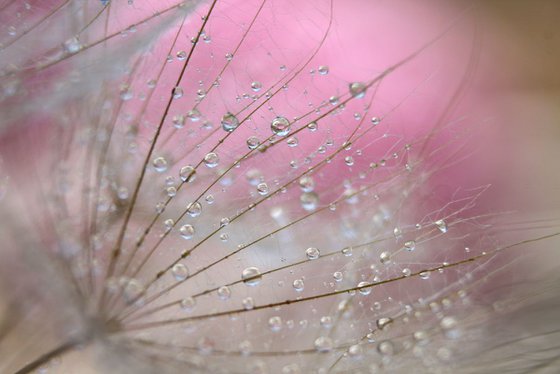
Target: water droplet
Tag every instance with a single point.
(132, 291)
(441, 225)
(72, 45)
(298, 285)
(224, 292)
(386, 348)
(324, 344)
(122, 193)
(280, 126)
(187, 174)
(375, 121)
(312, 253)
(410, 245)
(251, 276)
(385, 258)
(349, 160)
(178, 121)
(253, 142)
(347, 251)
(275, 323)
(337, 275)
(229, 122)
(194, 209)
(383, 322)
(406, 272)
(262, 189)
(323, 70)
(309, 201)
(177, 92)
(188, 304)
(355, 351)
(180, 272)
(126, 93)
(211, 160)
(292, 142)
(256, 86)
(194, 115)
(160, 164)
(181, 55)
(248, 303)
(448, 323)
(171, 191)
(168, 224)
(187, 231)
(358, 90)
(306, 183)
(424, 275)
(364, 290)
(229, 56)
(326, 322)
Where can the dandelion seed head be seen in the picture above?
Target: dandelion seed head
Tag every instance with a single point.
(189, 189)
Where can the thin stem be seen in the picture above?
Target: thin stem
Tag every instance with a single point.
(46, 357)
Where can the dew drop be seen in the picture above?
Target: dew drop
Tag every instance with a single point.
(358, 90)
(337, 275)
(385, 258)
(188, 304)
(251, 276)
(177, 92)
(224, 292)
(194, 115)
(349, 160)
(262, 189)
(309, 201)
(324, 344)
(256, 86)
(441, 225)
(448, 323)
(306, 183)
(178, 121)
(386, 348)
(194, 209)
(229, 122)
(383, 322)
(312, 253)
(187, 174)
(298, 285)
(253, 142)
(275, 323)
(187, 232)
(280, 126)
(211, 160)
(410, 245)
(248, 303)
(132, 290)
(323, 70)
(364, 290)
(160, 164)
(72, 45)
(355, 351)
(180, 272)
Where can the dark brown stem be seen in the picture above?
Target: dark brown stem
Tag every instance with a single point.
(46, 357)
